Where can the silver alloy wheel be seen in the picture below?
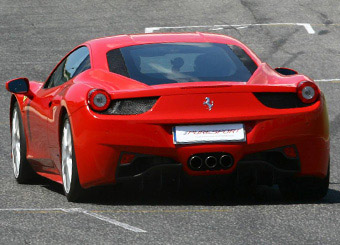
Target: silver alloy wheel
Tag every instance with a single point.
(16, 155)
(66, 155)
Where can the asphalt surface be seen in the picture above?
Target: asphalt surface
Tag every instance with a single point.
(35, 35)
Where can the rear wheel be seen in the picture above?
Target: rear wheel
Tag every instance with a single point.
(73, 190)
(23, 172)
(305, 188)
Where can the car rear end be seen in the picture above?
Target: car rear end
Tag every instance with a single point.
(202, 108)
(253, 126)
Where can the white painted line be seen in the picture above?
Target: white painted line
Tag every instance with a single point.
(307, 26)
(151, 29)
(78, 210)
(31, 209)
(112, 221)
(327, 80)
(217, 29)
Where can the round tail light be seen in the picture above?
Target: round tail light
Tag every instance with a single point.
(308, 92)
(98, 100)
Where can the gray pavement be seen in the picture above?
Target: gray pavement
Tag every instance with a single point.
(35, 35)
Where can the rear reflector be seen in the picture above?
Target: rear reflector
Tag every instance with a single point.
(127, 158)
(290, 152)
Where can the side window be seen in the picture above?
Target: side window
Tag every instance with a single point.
(246, 60)
(74, 64)
(57, 76)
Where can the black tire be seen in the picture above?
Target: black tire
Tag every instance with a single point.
(305, 188)
(23, 172)
(75, 192)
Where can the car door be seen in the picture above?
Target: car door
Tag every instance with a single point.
(55, 88)
(36, 112)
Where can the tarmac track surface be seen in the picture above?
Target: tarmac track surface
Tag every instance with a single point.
(35, 35)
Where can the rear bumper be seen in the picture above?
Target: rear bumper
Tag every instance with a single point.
(101, 139)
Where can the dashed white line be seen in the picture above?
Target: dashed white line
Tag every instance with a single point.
(78, 210)
(307, 26)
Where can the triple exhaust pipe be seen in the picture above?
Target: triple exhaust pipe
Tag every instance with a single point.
(197, 162)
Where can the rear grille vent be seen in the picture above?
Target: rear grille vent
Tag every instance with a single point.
(131, 106)
(280, 100)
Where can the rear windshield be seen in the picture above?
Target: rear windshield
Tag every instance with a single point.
(163, 63)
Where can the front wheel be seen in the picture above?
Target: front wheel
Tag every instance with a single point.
(73, 190)
(305, 188)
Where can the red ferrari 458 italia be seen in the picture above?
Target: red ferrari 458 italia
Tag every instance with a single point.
(199, 104)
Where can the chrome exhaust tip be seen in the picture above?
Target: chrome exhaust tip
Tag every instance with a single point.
(226, 161)
(195, 162)
(210, 161)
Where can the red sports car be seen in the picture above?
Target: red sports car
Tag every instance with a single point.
(199, 104)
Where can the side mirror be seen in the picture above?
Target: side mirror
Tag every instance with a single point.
(286, 71)
(18, 86)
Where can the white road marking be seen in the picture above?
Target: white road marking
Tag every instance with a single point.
(31, 209)
(217, 29)
(328, 80)
(307, 26)
(112, 221)
(78, 210)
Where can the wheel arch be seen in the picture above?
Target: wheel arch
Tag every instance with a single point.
(63, 113)
(11, 108)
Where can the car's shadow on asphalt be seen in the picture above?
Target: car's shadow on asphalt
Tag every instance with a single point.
(122, 195)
